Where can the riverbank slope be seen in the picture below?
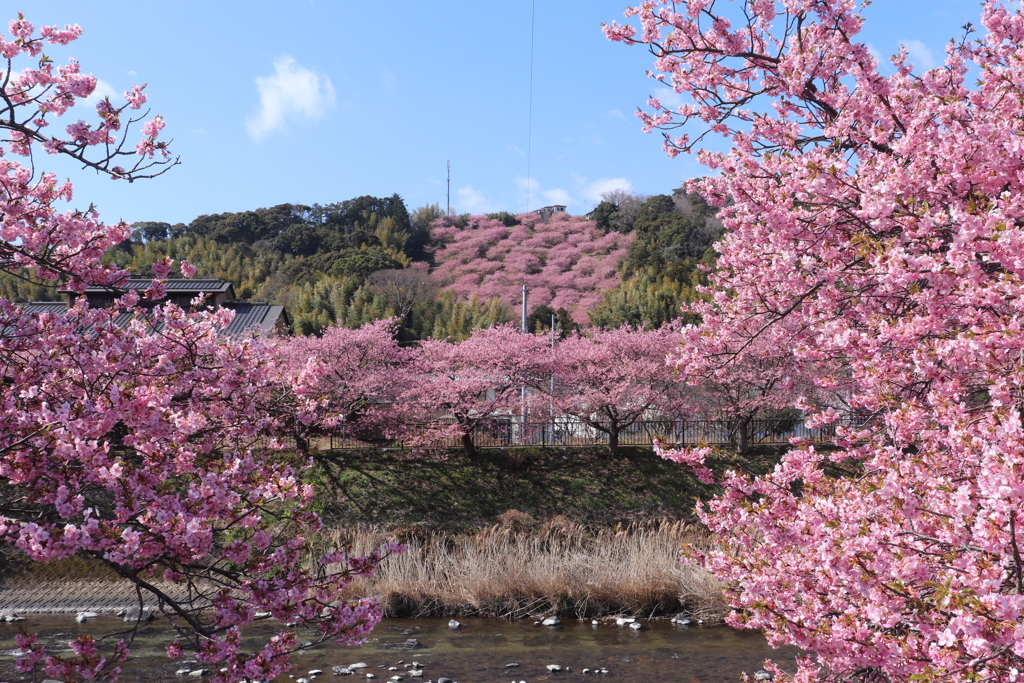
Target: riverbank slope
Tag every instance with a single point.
(523, 532)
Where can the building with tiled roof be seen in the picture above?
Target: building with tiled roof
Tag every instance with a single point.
(254, 317)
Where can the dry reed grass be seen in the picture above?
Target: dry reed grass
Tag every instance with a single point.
(522, 568)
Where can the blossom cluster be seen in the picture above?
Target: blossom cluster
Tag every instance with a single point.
(137, 435)
(875, 238)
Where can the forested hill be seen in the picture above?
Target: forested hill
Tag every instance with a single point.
(633, 260)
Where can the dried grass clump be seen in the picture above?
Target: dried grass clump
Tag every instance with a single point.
(516, 520)
(561, 567)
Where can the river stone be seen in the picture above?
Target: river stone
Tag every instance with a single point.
(454, 625)
(552, 621)
(410, 644)
(635, 626)
(417, 665)
(554, 667)
(682, 619)
(261, 615)
(622, 621)
(392, 668)
(416, 673)
(198, 673)
(135, 614)
(51, 680)
(763, 675)
(371, 675)
(181, 672)
(14, 617)
(442, 679)
(511, 664)
(302, 680)
(315, 672)
(82, 617)
(358, 665)
(342, 670)
(586, 671)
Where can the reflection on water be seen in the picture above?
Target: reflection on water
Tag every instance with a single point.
(478, 652)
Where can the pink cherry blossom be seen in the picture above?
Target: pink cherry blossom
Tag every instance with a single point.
(137, 435)
(564, 260)
(470, 382)
(873, 266)
(611, 379)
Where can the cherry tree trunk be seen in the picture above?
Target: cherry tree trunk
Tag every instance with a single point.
(469, 446)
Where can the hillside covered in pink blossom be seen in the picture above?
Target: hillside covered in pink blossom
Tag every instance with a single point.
(566, 261)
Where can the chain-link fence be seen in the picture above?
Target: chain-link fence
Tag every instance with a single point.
(75, 584)
(512, 431)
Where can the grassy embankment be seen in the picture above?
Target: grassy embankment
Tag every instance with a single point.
(522, 532)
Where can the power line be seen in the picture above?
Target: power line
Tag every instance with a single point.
(529, 126)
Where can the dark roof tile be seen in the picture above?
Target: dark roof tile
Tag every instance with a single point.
(200, 285)
(258, 316)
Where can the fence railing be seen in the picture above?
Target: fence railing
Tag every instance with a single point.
(506, 432)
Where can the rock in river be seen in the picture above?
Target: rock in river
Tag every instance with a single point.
(409, 644)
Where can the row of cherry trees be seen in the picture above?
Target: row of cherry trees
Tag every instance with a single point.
(371, 387)
(140, 446)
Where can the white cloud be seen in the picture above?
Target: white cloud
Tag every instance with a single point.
(669, 98)
(616, 114)
(584, 195)
(472, 200)
(390, 81)
(103, 89)
(593, 191)
(292, 93)
(920, 55)
(556, 196)
(513, 148)
(525, 184)
(873, 51)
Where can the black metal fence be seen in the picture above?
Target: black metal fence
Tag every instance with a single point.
(509, 432)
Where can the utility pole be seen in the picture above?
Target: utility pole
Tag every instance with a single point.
(551, 404)
(522, 389)
(526, 293)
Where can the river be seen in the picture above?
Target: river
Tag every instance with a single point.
(479, 651)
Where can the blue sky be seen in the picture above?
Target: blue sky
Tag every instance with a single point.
(320, 101)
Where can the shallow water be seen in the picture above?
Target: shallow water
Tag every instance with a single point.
(476, 653)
